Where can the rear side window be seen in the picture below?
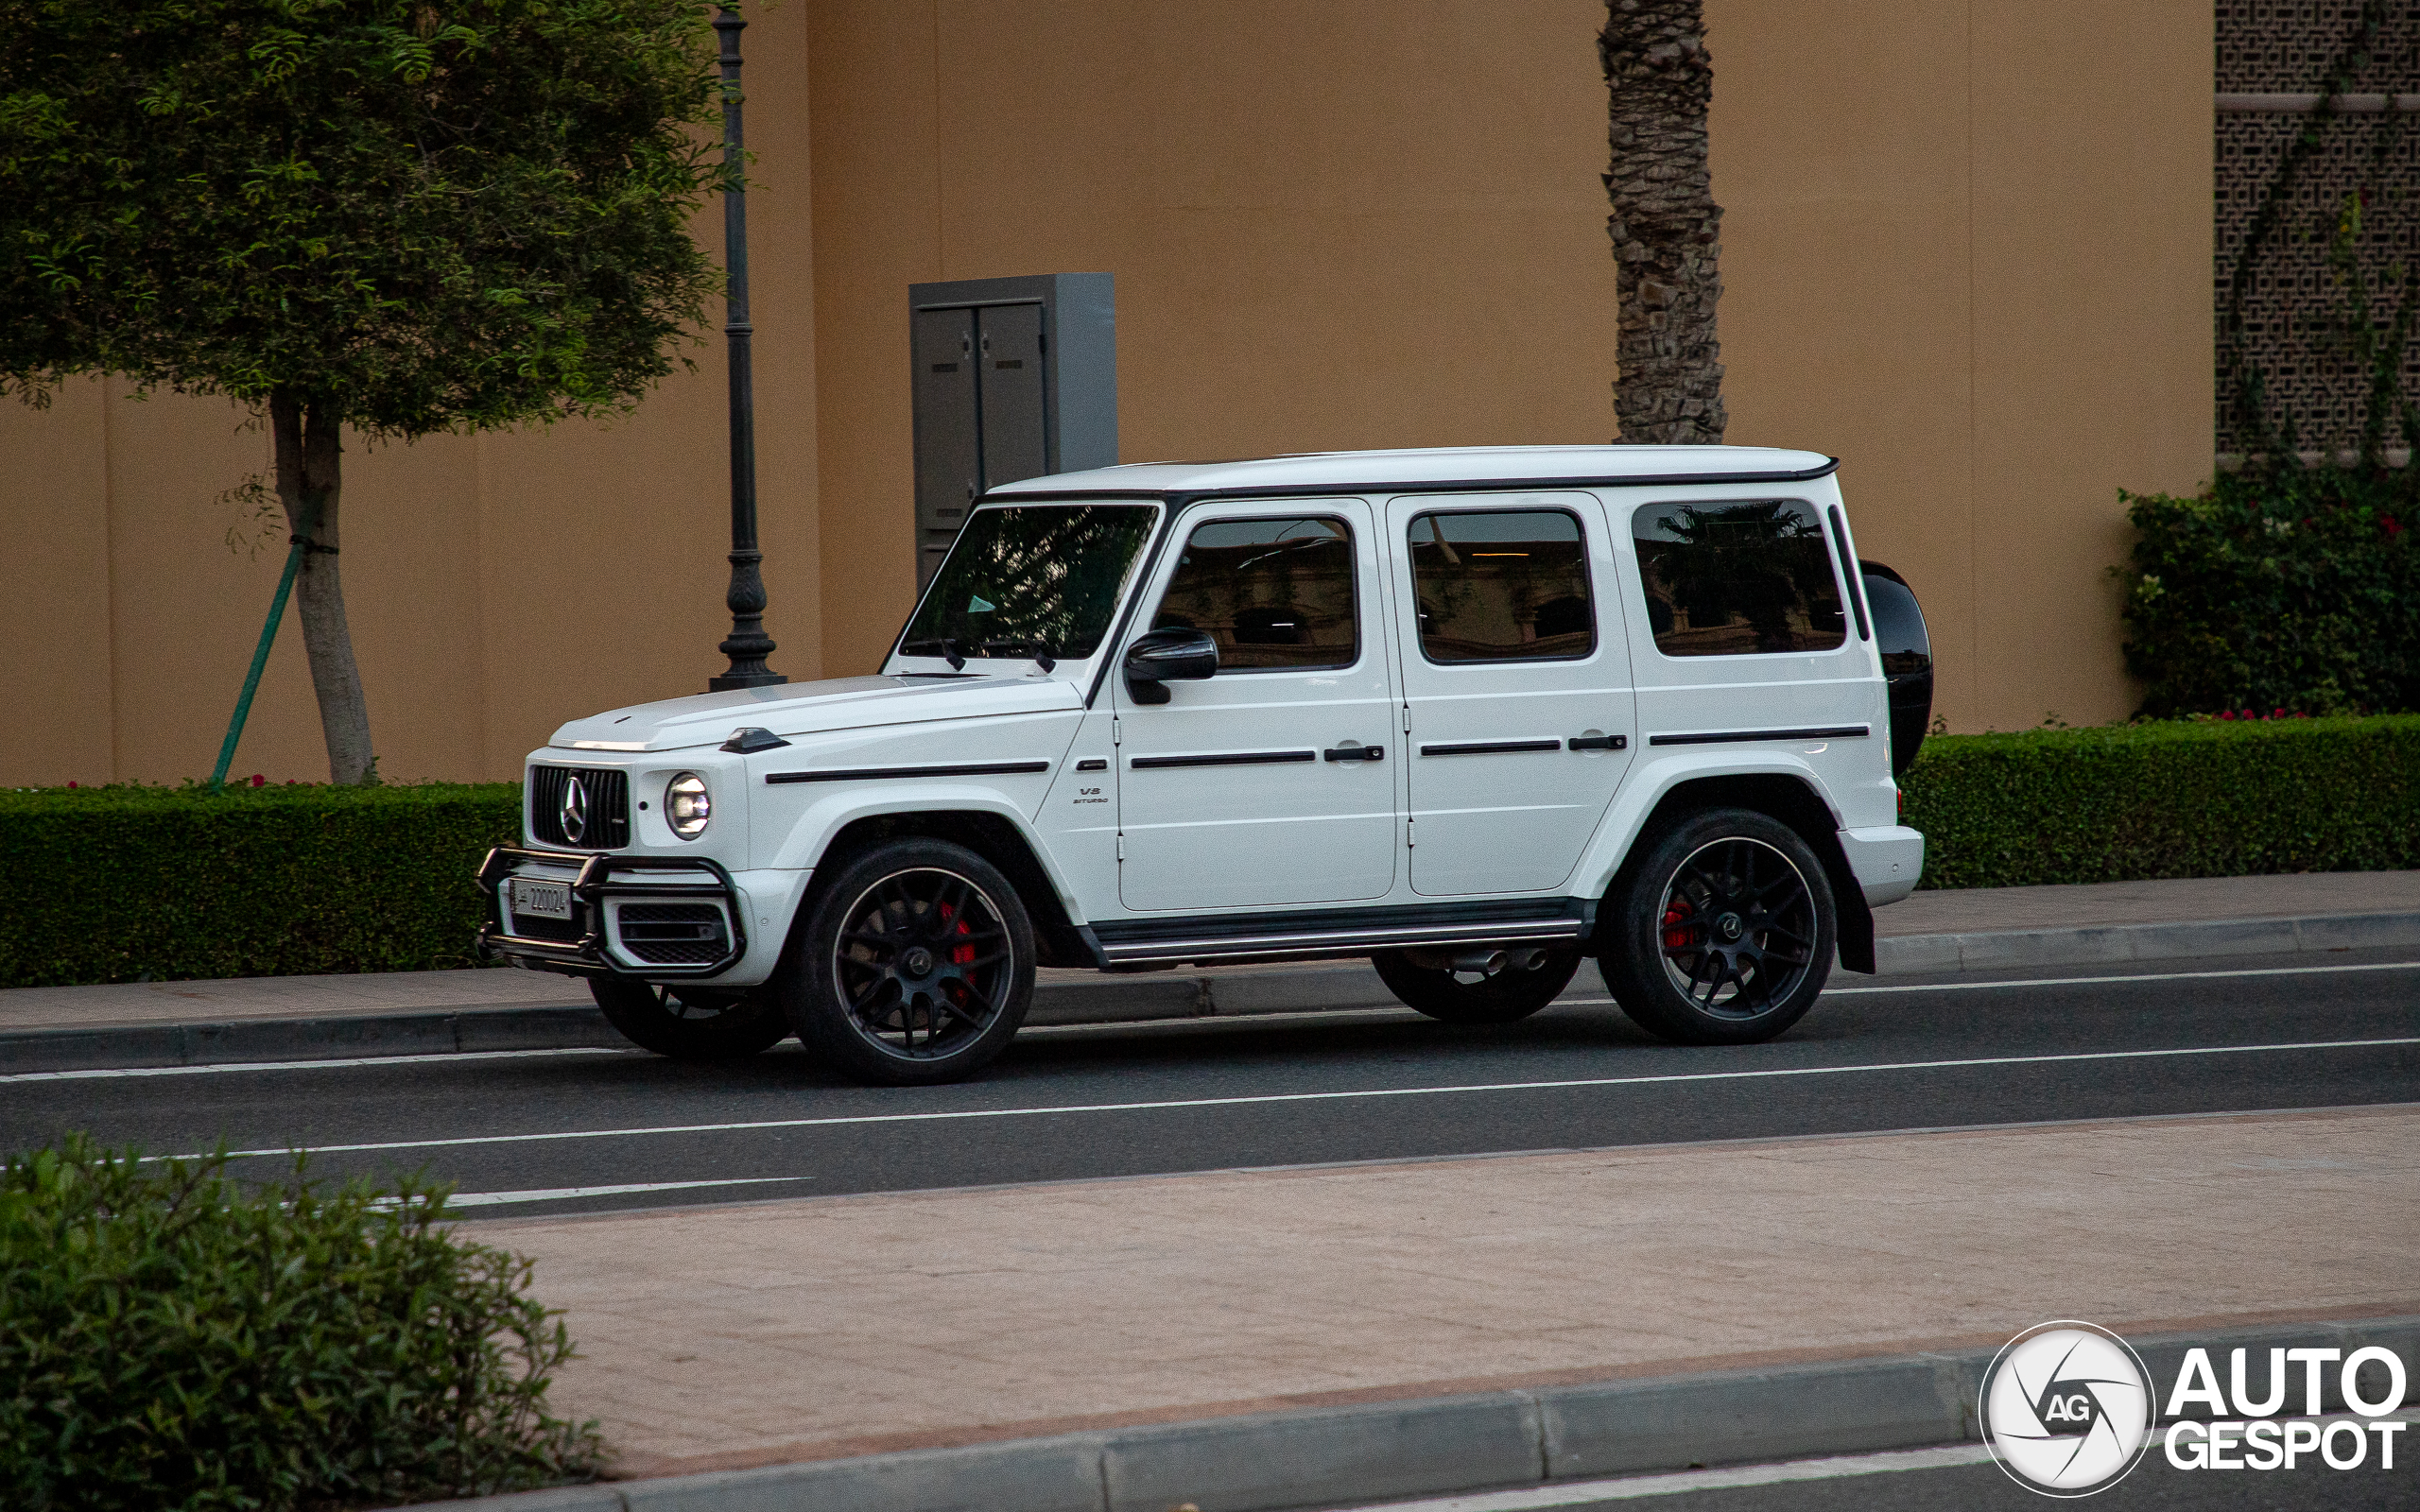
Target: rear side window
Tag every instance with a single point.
(1276, 594)
(1501, 585)
(1726, 580)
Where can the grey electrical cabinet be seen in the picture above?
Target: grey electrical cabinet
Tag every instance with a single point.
(1014, 377)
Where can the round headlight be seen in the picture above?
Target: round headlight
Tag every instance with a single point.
(687, 807)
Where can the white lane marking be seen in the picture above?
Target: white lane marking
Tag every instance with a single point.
(1633, 1488)
(490, 1200)
(448, 1056)
(1131, 1025)
(1630, 1488)
(2140, 976)
(1331, 1097)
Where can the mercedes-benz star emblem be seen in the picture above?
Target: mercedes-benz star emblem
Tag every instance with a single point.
(575, 812)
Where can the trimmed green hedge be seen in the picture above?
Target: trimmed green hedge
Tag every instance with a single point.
(2184, 799)
(124, 884)
(173, 1337)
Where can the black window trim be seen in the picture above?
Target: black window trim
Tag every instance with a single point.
(1596, 641)
(1178, 503)
(1832, 559)
(1146, 556)
(1359, 651)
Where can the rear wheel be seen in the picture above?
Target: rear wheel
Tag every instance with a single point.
(914, 966)
(1725, 931)
(1525, 982)
(690, 1024)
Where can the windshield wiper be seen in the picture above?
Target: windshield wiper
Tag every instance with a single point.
(943, 646)
(1039, 651)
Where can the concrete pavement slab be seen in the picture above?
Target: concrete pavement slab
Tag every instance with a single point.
(724, 1337)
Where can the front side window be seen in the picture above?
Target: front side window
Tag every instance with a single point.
(1029, 578)
(1274, 593)
(1725, 579)
(1501, 585)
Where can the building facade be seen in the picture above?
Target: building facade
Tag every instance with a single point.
(1966, 249)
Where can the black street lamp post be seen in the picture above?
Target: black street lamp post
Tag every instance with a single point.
(747, 646)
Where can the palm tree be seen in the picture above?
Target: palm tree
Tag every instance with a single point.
(1665, 223)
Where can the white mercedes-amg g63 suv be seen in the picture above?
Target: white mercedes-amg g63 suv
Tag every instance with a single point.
(1473, 713)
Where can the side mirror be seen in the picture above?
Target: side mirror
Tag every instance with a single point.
(1173, 655)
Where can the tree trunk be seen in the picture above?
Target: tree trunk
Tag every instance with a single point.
(310, 485)
(1665, 223)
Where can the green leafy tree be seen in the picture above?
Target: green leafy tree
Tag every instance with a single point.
(397, 217)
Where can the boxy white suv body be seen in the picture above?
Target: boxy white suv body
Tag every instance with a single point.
(1475, 713)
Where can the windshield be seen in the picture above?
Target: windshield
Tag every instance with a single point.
(1030, 579)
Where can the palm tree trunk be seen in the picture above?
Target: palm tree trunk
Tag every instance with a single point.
(1665, 223)
(310, 484)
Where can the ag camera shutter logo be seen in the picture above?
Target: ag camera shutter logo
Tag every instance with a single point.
(2068, 1409)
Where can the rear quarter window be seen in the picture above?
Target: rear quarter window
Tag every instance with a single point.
(1731, 580)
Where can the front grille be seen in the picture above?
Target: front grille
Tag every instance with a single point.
(608, 806)
(673, 934)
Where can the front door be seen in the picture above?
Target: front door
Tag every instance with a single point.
(1260, 786)
(1516, 685)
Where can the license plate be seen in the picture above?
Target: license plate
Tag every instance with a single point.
(542, 900)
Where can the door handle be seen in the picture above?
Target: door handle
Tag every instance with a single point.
(1599, 743)
(1356, 753)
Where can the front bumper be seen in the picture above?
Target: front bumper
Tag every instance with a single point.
(598, 938)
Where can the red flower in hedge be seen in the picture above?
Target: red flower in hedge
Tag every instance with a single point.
(2393, 526)
(258, 780)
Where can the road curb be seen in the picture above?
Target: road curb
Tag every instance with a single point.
(1130, 998)
(2115, 944)
(1332, 1456)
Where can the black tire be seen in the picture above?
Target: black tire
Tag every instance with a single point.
(690, 1024)
(1503, 997)
(1723, 933)
(914, 965)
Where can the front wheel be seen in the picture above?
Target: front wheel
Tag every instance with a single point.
(1526, 983)
(689, 1024)
(1723, 933)
(914, 966)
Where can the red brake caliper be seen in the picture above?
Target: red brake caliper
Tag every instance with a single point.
(1678, 933)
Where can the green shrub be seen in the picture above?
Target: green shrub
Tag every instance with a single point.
(172, 1338)
(2287, 588)
(122, 884)
(2185, 798)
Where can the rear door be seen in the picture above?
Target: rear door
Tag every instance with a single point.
(1261, 785)
(1517, 683)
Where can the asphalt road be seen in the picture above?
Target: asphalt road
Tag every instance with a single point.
(555, 1132)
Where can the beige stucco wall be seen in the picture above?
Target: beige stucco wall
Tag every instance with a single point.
(1361, 223)
(1965, 249)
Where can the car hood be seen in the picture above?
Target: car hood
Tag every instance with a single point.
(811, 708)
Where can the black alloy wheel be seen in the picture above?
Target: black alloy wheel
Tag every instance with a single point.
(1725, 931)
(1506, 995)
(690, 1022)
(915, 965)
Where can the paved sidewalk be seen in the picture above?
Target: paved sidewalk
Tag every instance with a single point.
(805, 1329)
(1926, 931)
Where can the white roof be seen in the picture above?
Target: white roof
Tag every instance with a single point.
(1426, 466)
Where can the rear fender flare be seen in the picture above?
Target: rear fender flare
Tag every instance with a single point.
(1787, 789)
